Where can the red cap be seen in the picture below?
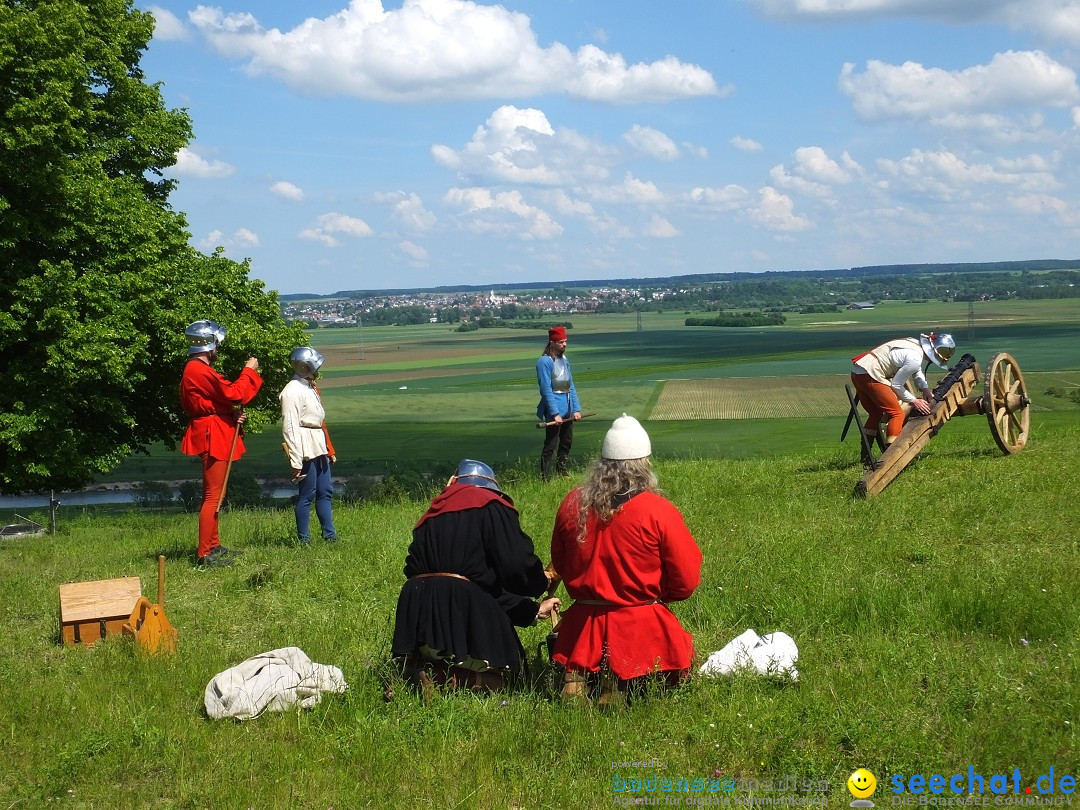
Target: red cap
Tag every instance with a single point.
(557, 333)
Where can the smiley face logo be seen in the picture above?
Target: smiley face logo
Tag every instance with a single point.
(862, 784)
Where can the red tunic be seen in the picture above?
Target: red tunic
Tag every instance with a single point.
(209, 399)
(644, 557)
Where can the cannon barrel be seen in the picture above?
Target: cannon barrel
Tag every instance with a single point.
(954, 375)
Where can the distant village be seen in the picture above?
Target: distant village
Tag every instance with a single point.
(456, 307)
(791, 291)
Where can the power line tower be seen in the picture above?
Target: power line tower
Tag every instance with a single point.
(971, 321)
(640, 332)
(360, 333)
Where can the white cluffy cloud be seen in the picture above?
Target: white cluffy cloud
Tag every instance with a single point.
(746, 144)
(1015, 79)
(241, 238)
(948, 176)
(659, 228)
(167, 26)
(776, 212)
(502, 213)
(651, 142)
(287, 191)
(408, 210)
(519, 145)
(413, 251)
(190, 163)
(333, 223)
(438, 50)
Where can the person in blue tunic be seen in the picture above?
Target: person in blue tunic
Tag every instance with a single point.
(559, 406)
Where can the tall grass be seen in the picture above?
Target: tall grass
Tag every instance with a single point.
(937, 626)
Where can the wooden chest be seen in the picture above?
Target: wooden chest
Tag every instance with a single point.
(90, 611)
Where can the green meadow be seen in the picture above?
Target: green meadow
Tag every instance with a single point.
(937, 628)
(937, 623)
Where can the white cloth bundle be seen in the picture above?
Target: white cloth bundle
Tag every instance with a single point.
(774, 654)
(272, 681)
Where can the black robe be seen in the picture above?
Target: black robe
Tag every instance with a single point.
(473, 532)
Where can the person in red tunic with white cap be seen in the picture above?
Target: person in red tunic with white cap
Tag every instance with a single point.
(624, 552)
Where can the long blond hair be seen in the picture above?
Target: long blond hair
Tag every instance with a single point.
(609, 485)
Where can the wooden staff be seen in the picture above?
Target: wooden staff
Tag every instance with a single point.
(228, 466)
(549, 424)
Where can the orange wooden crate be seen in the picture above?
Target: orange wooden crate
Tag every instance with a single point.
(90, 611)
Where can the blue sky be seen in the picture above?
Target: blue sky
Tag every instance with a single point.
(370, 145)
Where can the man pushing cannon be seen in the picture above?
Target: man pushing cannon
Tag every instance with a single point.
(880, 377)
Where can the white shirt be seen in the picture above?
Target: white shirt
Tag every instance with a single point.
(302, 417)
(894, 363)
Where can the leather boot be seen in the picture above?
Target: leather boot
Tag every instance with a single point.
(611, 696)
(864, 452)
(575, 688)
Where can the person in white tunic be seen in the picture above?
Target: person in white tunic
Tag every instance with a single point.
(307, 444)
(880, 377)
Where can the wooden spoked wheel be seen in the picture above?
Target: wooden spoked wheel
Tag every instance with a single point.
(1006, 403)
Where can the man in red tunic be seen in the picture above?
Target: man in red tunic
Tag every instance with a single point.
(624, 552)
(209, 399)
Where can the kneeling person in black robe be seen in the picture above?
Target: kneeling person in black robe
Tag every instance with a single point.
(472, 576)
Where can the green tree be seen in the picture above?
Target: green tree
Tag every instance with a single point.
(97, 279)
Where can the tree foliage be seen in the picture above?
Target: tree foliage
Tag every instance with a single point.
(742, 319)
(97, 279)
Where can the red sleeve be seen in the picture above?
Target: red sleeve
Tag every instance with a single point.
(564, 533)
(680, 557)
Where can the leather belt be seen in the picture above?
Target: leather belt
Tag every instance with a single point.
(439, 574)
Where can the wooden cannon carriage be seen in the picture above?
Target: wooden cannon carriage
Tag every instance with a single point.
(1004, 401)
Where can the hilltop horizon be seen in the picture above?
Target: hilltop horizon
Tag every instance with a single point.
(705, 278)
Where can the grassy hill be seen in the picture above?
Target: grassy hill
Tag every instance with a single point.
(937, 626)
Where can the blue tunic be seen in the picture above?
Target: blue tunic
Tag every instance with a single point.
(552, 402)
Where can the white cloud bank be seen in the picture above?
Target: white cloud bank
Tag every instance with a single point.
(519, 145)
(330, 225)
(968, 97)
(438, 50)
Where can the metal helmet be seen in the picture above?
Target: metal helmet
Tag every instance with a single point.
(306, 362)
(938, 348)
(477, 473)
(204, 336)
